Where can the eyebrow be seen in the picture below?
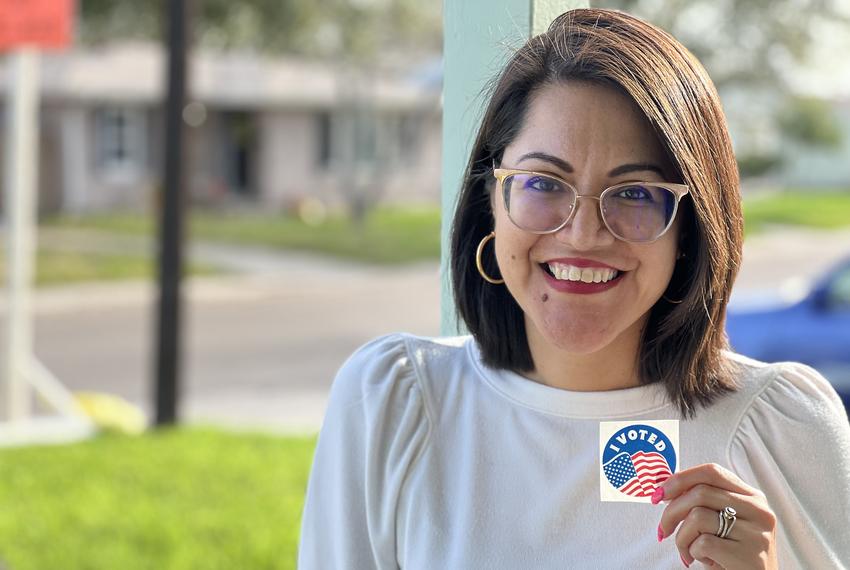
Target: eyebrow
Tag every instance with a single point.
(567, 167)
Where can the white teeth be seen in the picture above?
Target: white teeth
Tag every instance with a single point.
(564, 272)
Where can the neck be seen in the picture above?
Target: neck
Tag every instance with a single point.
(613, 367)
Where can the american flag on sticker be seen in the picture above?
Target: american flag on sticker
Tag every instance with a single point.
(635, 458)
(638, 474)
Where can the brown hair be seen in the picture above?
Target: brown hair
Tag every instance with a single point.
(682, 342)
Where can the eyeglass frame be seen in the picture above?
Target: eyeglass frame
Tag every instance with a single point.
(678, 190)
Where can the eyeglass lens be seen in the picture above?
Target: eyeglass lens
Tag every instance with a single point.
(636, 212)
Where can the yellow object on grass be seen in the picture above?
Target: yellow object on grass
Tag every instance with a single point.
(111, 413)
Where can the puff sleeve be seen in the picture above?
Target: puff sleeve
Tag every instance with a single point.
(374, 429)
(793, 443)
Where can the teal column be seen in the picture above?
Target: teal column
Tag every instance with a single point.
(479, 37)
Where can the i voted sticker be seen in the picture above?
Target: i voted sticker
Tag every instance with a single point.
(636, 457)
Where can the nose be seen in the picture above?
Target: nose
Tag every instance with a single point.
(585, 230)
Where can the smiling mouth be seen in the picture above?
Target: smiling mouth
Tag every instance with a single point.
(566, 272)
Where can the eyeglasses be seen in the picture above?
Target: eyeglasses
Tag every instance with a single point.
(637, 212)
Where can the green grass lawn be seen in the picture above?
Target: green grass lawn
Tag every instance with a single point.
(386, 236)
(61, 267)
(798, 208)
(397, 235)
(178, 499)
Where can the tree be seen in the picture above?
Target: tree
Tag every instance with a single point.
(742, 42)
(810, 121)
(755, 47)
(358, 28)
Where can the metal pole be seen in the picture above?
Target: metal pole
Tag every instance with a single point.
(21, 200)
(172, 208)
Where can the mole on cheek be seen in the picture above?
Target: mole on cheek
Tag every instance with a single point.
(513, 257)
(544, 298)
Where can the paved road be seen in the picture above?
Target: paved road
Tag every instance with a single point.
(263, 346)
(260, 350)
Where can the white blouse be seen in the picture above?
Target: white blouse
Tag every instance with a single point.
(428, 459)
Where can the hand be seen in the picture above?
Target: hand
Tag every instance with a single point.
(695, 498)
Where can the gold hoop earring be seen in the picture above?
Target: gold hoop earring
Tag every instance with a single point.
(480, 265)
(671, 301)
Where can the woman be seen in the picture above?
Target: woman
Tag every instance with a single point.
(595, 243)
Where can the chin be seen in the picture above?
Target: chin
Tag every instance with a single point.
(577, 338)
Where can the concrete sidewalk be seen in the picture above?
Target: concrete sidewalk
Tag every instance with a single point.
(790, 255)
(262, 344)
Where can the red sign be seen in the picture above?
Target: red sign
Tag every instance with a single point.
(44, 24)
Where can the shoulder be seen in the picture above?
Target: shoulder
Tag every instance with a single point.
(391, 372)
(371, 367)
(787, 387)
(784, 407)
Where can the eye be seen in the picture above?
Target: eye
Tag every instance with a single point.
(636, 193)
(542, 184)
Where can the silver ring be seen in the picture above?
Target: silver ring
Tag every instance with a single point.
(727, 517)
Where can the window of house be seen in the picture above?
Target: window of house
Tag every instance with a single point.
(120, 138)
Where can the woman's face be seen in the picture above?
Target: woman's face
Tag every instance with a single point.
(588, 135)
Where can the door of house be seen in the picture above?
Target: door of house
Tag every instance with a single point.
(239, 140)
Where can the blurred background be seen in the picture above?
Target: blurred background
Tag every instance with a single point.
(313, 173)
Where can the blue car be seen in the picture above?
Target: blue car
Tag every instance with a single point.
(814, 329)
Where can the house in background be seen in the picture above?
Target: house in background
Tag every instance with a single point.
(263, 132)
(811, 167)
(753, 117)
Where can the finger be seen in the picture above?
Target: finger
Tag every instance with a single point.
(727, 554)
(697, 522)
(705, 521)
(713, 499)
(708, 474)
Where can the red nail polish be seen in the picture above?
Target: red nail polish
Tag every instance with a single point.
(684, 562)
(660, 533)
(657, 496)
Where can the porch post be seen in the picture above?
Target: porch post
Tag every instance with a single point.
(479, 37)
